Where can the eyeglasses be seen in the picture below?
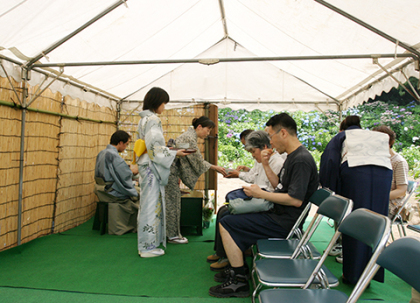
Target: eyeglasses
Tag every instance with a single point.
(271, 136)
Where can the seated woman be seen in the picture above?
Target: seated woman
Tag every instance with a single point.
(257, 143)
(399, 173)
(188, 169)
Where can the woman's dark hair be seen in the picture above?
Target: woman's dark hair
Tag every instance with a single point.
(245, 133)
(154, 98)
(283, 120)
(203, 121)
(385, 129)
(119, 136)
(350, 121)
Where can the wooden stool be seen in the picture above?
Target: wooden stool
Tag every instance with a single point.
(101, 217)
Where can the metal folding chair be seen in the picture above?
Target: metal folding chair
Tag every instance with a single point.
(398, 220)
(303, 272)
(286, 248)
(364, 225)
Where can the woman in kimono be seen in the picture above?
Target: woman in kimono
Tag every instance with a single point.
(154, 167)
(188, 169)
(356, 164)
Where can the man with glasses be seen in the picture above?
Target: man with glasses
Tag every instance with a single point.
(296, 182)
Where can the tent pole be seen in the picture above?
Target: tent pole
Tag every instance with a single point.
(223, 60)
(344, 96)
(72, 34)
(222, 13)
(62, 79)
(10, 82)
(369, 27)
(207, 155)
(21, 160)
(399, 82)
(411, 86)
(37, 93)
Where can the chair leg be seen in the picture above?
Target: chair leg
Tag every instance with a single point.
(254, 293)
(392, 235)
(403, 228)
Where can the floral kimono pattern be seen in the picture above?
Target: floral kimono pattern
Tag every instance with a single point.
(188, 169)
(154, 169)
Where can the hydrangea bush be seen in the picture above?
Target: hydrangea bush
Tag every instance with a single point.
(315, 130)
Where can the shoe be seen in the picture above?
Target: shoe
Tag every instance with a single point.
(178, 240)
(336, 250)
(223, 275)
(234, 286)
(213, 258)
(152, 253)
(220, 265)
(339, 259)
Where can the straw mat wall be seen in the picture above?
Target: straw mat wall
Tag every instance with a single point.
(80, 142)
(59, 161)
(59, 158)
(10, 120)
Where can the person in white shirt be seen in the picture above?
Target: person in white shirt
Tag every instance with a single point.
(399, 173)
(256, 142)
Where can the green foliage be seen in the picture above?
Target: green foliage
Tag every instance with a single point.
(315, 130)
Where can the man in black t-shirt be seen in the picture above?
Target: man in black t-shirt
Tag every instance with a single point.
(296, 182)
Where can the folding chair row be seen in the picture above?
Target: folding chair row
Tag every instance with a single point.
(400, 258)
(298, 272)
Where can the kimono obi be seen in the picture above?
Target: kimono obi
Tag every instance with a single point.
(365, 147)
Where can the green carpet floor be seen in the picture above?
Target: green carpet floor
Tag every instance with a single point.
(81, 266)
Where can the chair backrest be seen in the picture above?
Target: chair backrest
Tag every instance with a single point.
(402, 257)
(320, 195)
(411, 188)
(334, 207)
(372, 229)
(366, 226)
(317, 197)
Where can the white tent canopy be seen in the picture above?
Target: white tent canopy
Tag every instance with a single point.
(283, 55)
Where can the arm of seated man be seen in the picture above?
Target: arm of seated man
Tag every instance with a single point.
(279, 198)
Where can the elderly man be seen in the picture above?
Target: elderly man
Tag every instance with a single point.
(256, 142)
(119, 190)
(296, 182)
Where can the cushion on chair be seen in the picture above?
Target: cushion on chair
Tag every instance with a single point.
(279, 248)
(290, 272)
(302, 296)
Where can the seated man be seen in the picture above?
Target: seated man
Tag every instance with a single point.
(119, 190)
(297, 181)
(256, 142)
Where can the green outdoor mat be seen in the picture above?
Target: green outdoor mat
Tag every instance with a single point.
(81, 265)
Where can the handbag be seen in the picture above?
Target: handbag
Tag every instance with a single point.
(240, 206)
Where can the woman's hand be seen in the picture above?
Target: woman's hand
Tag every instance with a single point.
(220, 170)
(233, 174)
(180, 153)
